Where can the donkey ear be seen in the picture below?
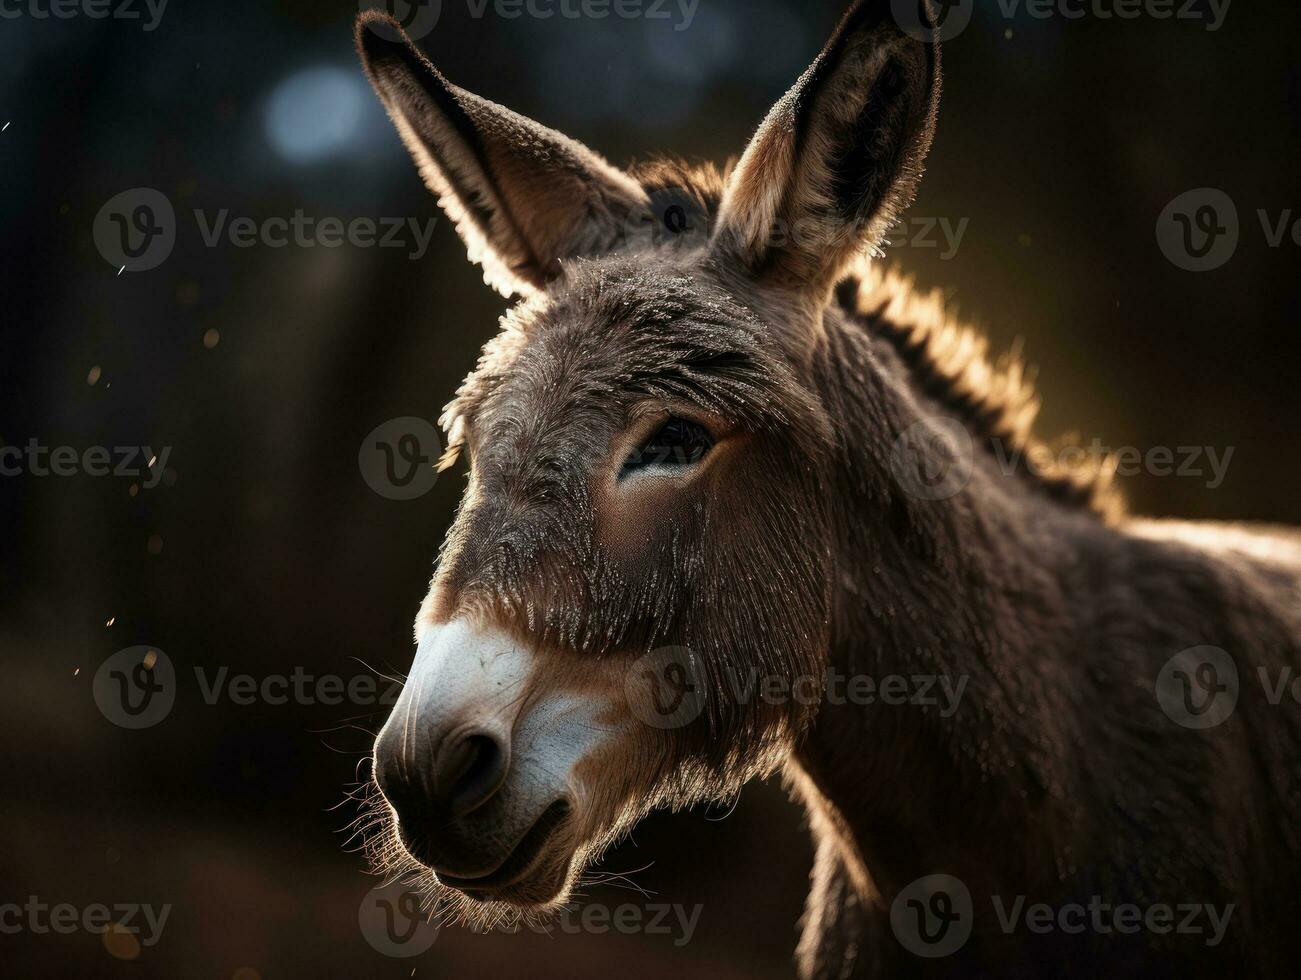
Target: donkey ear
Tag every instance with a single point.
(523, 197)
(839, 156)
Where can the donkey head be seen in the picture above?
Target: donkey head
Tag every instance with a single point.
(649, 456)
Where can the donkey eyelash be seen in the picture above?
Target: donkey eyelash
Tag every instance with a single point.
(678, 443)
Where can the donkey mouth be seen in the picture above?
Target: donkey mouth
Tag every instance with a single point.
(522, 863)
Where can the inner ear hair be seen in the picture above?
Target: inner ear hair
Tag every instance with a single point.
(523, 197)
(838, 157)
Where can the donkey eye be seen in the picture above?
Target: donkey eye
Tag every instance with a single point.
(678, 443)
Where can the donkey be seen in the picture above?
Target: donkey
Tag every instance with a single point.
(714, 442)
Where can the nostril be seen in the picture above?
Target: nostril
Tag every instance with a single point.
(471, 768)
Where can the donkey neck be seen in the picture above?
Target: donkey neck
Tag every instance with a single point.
(932, 600)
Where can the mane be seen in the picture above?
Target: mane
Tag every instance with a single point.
(949, 362)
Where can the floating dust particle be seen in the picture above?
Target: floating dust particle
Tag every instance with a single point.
(1007, 34)
(1025, 240)
(187, 293)
(92, 376)
(111, 621)
(133, 489)
(76, 672)
(211, 337)
(151, 658)
(121, 943)
(113, 855)
(155, 545)
(152, 461)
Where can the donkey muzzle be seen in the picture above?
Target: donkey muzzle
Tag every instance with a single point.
(476, 764)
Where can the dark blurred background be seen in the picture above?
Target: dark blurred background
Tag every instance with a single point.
(261, 548)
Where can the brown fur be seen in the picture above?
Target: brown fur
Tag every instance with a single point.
(793, 549)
